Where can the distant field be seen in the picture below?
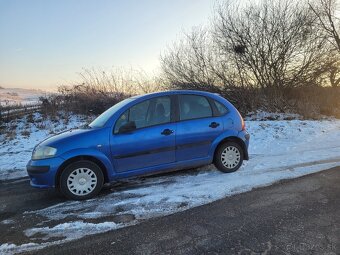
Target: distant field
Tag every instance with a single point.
(11, 96)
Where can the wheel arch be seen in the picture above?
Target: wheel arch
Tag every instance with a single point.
(236, 140)
(79, 158)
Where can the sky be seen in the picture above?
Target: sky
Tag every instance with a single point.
(45, 43)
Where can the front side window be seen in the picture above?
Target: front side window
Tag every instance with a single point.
(101, 120)
(160, 112)
(194, 107)
(151, 112)
(139, 114)
(123, 119)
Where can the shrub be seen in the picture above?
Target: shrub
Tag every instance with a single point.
(99, 90)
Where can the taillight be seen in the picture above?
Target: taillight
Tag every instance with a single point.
(243, 124)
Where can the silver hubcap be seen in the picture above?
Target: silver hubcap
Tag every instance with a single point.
(230, 157)
(82, 181)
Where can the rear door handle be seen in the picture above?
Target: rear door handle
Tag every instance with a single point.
(214, 124)
(167, 131)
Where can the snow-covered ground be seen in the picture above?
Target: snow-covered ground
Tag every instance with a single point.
(279, 150)
(24, 134)
(9, 96)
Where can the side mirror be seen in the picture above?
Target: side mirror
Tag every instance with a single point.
(128, 127)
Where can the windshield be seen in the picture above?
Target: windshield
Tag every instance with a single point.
(105, 116)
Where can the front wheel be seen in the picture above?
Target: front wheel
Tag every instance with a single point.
(81, 180)
(228, 157)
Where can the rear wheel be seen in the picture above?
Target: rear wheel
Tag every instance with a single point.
(81, 180)
(228, 157)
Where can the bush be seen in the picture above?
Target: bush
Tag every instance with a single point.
(99, 91)
(310, 102)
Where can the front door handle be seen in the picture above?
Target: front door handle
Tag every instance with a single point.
(167, 131)
(214, 124)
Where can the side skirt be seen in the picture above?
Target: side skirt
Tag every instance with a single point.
(163, 168)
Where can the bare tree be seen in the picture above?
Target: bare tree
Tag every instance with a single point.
(332, 75)
(259, 44)
(118, 80)
(97, 90)
(189, 62)
(325, 11)
(273, 43)
(270, 55)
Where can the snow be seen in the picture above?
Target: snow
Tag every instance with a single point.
(281, 149)
(75, 230)
(6, 222)
(10, 96)
(20, 145)
(7, 249)
(263, 115)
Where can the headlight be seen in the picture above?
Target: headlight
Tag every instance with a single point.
(42, 152)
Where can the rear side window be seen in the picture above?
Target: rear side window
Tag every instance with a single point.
(194, 107)
(220, 108)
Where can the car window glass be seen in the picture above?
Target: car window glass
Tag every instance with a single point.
(105, 116)
(148, 113)
(123, 119)
(160, 112)
(193, 107)
(138, 113)
(221, 108)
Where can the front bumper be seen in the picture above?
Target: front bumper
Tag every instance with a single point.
(37, 169)
(42, 172)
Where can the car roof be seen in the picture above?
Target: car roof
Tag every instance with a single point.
(175, 92)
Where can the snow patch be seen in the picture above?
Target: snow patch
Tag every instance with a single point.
(20, 146)
(71, 230)
(263, 115)
(12, 96)
(8, 249)
(67, 231)
(7, 222)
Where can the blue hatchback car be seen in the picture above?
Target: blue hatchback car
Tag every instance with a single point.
(142, 135)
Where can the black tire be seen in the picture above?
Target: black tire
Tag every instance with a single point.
(218, 157)
(77, 165)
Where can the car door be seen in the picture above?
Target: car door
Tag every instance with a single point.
(151, 143)
(197, 127)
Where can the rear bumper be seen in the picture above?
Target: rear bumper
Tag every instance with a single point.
(42, 172)
(245, 136)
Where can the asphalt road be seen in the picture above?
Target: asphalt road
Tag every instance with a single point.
(17, 197)
(299, 216)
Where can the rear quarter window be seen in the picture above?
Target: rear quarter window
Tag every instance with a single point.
(221, 108)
